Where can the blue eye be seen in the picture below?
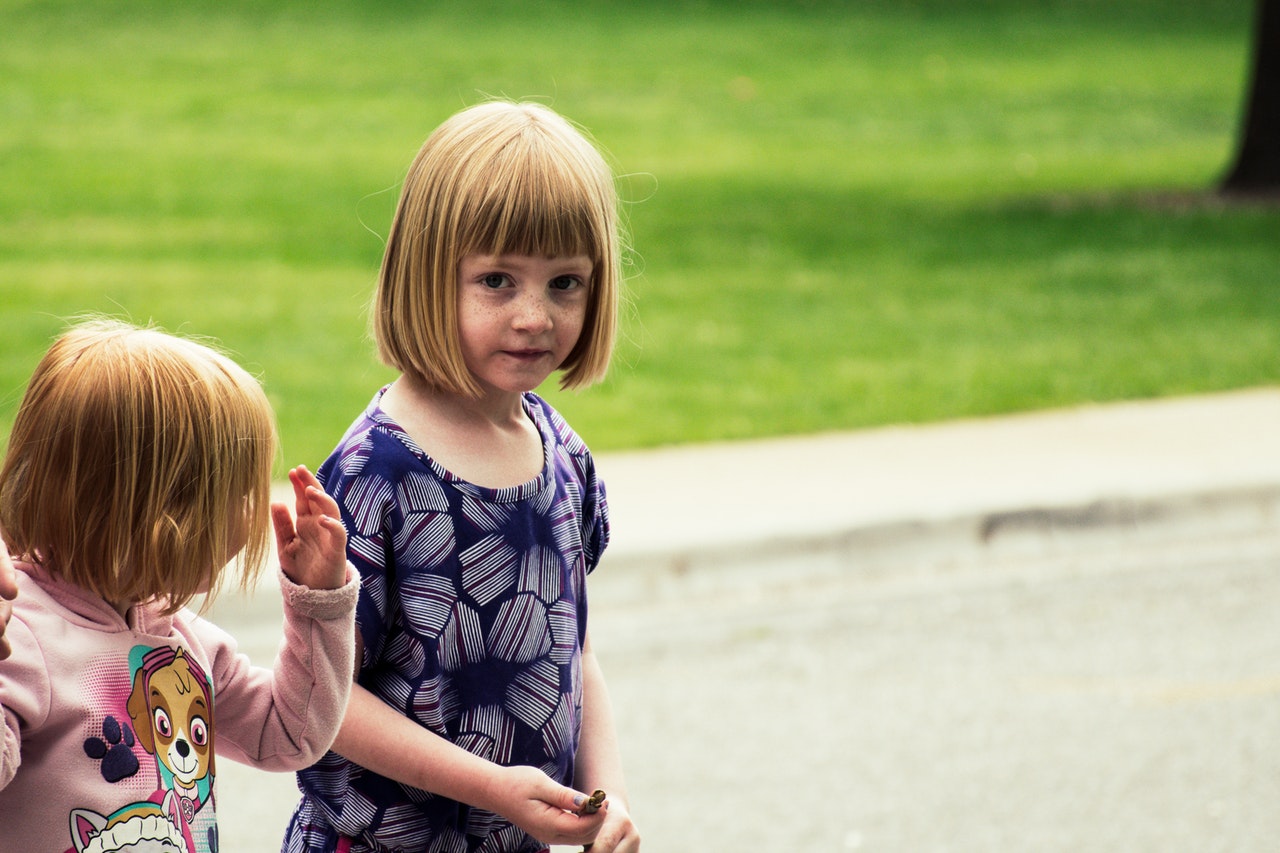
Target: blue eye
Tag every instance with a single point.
(565, 282)
(494, 280)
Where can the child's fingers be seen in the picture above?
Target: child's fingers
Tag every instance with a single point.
(303, 475)
(6, 610)
(8, 575)
(322, 502)
(546, 790)
(335, 527)
(282, 521)
(300, 487)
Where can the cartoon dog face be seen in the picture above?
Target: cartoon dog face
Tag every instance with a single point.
(172, 714)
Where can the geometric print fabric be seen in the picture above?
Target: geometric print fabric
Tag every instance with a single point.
(472, 611)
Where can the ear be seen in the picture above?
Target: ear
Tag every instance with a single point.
(85, 825)
(140, 713)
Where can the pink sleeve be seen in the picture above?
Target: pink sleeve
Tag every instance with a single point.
(10, 749)
(25, 694)
(286, 718)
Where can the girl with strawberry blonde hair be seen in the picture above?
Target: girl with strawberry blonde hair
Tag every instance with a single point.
(138, 468)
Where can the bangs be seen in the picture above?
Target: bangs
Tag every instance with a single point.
(529, 201)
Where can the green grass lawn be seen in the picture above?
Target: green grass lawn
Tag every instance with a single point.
(843, 214)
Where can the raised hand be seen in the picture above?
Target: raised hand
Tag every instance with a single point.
(313, 552)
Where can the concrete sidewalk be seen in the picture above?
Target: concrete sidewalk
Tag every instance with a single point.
(1211, 459)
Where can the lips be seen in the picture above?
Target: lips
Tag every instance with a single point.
(526, 354)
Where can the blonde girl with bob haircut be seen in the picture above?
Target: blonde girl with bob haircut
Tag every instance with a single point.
(138, 468)
(480, 719)
(481, 185)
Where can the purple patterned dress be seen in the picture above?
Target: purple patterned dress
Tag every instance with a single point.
(473, 611)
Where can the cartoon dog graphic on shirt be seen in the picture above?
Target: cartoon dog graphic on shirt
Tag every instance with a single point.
(171, 706)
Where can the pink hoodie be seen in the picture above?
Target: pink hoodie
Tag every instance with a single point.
(109, 731)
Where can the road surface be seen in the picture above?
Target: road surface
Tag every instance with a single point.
(1103, 694)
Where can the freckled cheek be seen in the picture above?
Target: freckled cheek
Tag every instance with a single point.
(472, 314)
(473, 324)
(568, 328)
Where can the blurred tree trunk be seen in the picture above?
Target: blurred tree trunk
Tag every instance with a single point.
(1256, 170)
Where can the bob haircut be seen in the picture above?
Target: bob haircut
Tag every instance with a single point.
(497, 178)
(136, 459)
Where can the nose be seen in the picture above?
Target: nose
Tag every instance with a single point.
(184, 749)
(533, 312)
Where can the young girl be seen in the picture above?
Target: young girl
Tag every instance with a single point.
(139, 465)
(475, 513)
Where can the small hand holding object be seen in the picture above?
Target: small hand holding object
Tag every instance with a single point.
(547, 810)
(618, 835)
(8, 592)
(313, 553)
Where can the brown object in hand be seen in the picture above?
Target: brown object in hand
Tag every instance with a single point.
(592, 805)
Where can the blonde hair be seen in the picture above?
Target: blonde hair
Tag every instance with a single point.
(136, 458)
(497, 178)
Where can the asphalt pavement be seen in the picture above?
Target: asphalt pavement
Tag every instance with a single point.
(741, 549)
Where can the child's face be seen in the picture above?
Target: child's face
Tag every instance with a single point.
(519, 316)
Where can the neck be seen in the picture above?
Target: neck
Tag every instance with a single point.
(489, 441)
(499, 409)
